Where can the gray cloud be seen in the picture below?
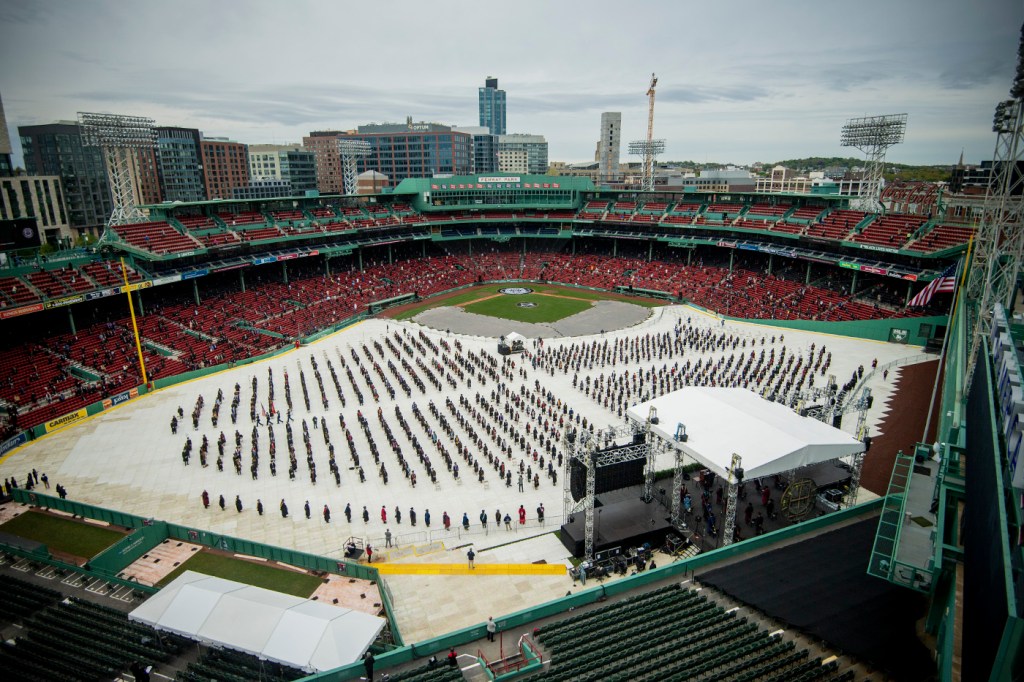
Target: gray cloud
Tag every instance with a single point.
(779, 79)
(24, 12)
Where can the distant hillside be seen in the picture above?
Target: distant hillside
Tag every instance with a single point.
(893, 171)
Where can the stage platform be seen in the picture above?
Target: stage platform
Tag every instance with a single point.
(621, 519)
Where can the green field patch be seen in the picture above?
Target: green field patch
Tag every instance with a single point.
(248, 572)
(547, 308)
(476, 293)
(62, 535)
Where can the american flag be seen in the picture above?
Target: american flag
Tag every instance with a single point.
(944, 283)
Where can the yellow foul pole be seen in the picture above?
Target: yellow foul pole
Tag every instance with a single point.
(135, 327)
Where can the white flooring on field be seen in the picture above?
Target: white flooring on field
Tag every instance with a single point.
(128, 459)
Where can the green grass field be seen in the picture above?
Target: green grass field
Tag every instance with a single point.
(548, 308)
(62, 535)
(474, 293)
(250, 573)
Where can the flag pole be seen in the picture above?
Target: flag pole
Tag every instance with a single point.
(945, 340)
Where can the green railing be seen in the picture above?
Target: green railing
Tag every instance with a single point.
(148, 533)
(583, 597)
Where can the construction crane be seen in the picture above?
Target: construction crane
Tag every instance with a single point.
(648, 162)
(650, 147)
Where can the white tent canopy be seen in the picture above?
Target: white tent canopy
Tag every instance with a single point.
(769, 437)
(271, 625)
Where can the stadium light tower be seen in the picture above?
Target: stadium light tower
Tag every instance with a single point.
(120, 138)
(649, 148)
(351, 151)
(999, 244)
(873, 135)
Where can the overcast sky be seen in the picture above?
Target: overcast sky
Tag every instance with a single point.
(738, 81)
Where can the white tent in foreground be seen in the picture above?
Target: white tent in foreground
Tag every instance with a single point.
(272, 625)
(769, 437)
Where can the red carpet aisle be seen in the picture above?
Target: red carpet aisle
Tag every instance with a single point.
(902, 425)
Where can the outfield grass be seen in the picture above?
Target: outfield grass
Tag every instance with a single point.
(62, 535)
(248, 572)
(474, 293)
(548, 308)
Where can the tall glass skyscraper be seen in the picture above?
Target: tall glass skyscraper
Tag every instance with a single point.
(492, 107)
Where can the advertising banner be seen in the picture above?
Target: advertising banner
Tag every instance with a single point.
(12, 443)
(66, 420)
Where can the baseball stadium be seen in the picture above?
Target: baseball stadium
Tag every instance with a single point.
(492, 427)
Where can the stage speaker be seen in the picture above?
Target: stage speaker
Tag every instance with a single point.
(837, 421)
(618, 476)
(577, 480)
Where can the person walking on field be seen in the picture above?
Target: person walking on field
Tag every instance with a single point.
(206, 500)
(327, 514)
(471, 555)
(492, 627)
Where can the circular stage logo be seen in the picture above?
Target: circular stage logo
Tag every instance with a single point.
(526, 304)
(515, 291)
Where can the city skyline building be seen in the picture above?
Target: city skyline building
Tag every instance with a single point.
(485, 148)
(6, 151)
(58, 149)
(324, 146)
(414, 150)
(535, 146)
(225, 166)
(608, 147)
(39, 197)
(180, 163)
(262, 188)
(147, 177)
(492, 107)
(292, 163)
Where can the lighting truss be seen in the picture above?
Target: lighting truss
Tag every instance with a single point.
(586, 448)
(873, 135)
(999, 245)
(649, 149)
(119, 138)
(351, 151)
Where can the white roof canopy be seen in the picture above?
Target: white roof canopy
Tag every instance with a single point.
(272, 625)
(769, 437)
